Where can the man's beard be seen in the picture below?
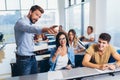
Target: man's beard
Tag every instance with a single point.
(31, 20)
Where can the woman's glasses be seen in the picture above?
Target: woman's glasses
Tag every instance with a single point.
(61, 39)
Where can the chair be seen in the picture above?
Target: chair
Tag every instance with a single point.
(78, 60)
(2, 45)
(111, 60)
(1, 37)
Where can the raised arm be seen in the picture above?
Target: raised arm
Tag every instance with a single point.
(116, 56)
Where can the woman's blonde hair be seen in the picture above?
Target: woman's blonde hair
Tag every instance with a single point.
(75, 40)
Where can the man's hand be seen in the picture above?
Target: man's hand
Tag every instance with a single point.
(112, 66)
(104, 67)
(49, 30)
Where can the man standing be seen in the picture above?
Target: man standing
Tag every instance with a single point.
(24, 36)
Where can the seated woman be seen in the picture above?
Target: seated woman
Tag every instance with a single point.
(97, 55)
(63, 56)
(89, 36)
(73, 42)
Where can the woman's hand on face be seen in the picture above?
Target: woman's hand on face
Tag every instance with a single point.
(58, 51)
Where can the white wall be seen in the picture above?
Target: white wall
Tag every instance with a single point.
(98, 16)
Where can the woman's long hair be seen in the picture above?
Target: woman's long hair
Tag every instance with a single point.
(57, 39)
(75, 37)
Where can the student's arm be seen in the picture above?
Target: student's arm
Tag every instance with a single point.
(79, 51)
(86, 62)
(88, 40)
(56, 54)
(54, 57)
(116, 56)
(91, 39)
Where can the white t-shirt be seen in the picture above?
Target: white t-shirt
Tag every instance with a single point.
(61, 62)
(89, 36)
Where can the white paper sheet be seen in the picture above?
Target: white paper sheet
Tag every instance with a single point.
(55, 75)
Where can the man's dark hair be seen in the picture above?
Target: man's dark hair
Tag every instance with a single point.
(36, 7)
(105, 36)
(91, 28)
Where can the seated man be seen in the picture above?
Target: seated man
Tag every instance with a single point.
(97, 55)
(89, 36)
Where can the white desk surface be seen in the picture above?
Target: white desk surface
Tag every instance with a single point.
(81, 72)
(7, 56)
(41, 76)
(84, 72)
(43, 46)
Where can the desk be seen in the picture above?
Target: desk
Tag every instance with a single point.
(84, 72)
(41, 76)
(8, 53)
(41, 46)
(7, 57)
(80, 72)
(41, 57)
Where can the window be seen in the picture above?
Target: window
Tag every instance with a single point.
(78, 1)
(86, 16)
(52, 4)
(72, 2)
(66, 3)
(42, 3)
(26, 4)
(74, 20)
(2, 4)
(7, 22)
(10, 13)
(48, 18)
(11, 6)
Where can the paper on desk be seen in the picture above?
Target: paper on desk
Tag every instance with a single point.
(104, 71)
(54, 75)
